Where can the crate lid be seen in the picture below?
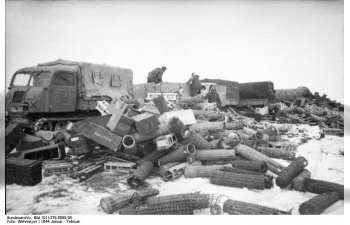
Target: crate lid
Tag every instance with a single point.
(20, 161)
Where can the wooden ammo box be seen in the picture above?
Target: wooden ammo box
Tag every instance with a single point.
(83, 126)
(145, 147)
(24, 172)
(146, 123)
(120, 124)
(117, 105)
(30, 142)
(104, 137)
(13, 136)
(80, 144)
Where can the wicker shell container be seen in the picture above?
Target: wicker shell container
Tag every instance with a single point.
(233, 207)
(241, 171)
(199, 141)
(179, 154)
(214, 154)
(208, 115)
(163, 168)
(140, 175)
(161, 104)
(261, 137)
(290, 172)
(177, 127)
(234, 126)
(277, 153)
(202, 171)
(270, 131)
(154, 156)
(210, 126)
(168, 209)
(196, 200)
(129, 144)
(232, 142)
(240, 180)
(116, 202)
(318, 204)
(320, 186)
(163, 130)
(252, 154)
(175, 171)
(296, 184)
(256, 166)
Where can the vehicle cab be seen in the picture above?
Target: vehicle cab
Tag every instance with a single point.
(41, 90)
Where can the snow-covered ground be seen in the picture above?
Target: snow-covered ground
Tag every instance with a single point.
(63, 195)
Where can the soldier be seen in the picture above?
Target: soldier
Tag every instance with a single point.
(156, 75)
(213, 96)
(195, 84)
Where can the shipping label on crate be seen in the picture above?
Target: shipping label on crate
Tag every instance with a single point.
(104, 137)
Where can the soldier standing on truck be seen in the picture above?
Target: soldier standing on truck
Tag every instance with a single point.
(156, 75)
(213, 96)
(195, 84)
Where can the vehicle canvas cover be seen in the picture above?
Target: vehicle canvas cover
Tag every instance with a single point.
(257, 90)
(232, 87)
(100, 80)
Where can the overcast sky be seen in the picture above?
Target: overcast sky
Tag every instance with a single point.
(291, 43)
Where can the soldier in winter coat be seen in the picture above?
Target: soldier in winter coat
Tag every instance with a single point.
(195, 84)
(213, 96)
(156, 75)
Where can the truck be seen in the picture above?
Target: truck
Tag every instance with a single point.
(64, 90)
(231, 93)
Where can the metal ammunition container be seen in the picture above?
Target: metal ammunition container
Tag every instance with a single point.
(146, 123)
(80, 144)
(104, 137)
(24, 172)
(120, 124)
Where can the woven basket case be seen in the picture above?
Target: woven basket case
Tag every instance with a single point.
(232, 142)
(207, 114)
(169, 209)
(239, 180)
(177, 127)
(140, 174)
(320, 186)
(214, 154)
(113, 203)
(241, 171)
(256, 166)
(178, 155)
(175, 171)
(163, 168)
(196, 200)
(277, 153)
(199, 141)
(296, 184)
(290, 172)
(254, 155)
(318, 204)
(233, 207)
(214, 162)
(234, 126)
(202, 171)
(161, 104)
(163, 130)
(261, 137)
(154, 156)
(271, 131)
(211, 126)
